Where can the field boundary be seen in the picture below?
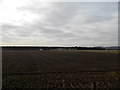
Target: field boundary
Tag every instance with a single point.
(116, 70)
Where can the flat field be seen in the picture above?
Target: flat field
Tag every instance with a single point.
(60, 69)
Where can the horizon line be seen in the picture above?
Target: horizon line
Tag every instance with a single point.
(53, 46)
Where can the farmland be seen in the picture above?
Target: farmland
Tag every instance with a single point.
(59, 69)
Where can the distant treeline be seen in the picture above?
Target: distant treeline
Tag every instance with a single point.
(50, 48)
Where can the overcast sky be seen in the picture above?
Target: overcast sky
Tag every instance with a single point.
(31, 22)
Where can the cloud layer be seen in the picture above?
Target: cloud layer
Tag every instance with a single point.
(60, 24)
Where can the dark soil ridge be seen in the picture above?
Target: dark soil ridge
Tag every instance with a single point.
(100, 71)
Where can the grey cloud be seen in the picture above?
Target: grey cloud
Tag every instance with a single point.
(51, 31)
(70, 24)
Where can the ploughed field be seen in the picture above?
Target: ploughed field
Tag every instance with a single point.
(59, 69)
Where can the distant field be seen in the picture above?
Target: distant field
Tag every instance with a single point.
(102, 51)
(60, 69)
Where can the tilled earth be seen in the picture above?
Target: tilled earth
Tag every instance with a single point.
(108, 80)
(60, 69)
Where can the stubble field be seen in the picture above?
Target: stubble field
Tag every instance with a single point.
(59, 69)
